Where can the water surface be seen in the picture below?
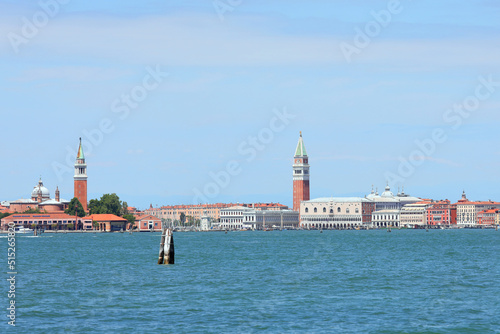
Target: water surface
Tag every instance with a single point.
(441, 281)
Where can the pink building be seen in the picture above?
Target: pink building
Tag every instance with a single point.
(148, 223)
(487, 217)
(441, 213)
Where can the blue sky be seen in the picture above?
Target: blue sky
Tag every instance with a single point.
(229, 74)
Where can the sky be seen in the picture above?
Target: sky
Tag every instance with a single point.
(182, 102)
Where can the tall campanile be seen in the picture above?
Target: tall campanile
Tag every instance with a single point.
(300, 175)
(81, 177)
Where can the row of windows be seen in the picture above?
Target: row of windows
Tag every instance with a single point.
(331, 210)
(334, 219)
(44, 222)
(385, 217)
(231, 213)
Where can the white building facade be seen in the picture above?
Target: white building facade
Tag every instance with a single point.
(336, 213)
(386, 218)
(467, 210)
(414, 215)
(240, 217)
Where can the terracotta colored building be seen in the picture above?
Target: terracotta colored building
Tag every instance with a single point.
(488, 217)
(441, 213)
(108, 222)
(300, 175)
(148, 223)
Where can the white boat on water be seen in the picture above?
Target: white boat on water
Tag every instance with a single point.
(23, 230)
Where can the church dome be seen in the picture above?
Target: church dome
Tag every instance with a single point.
(372, 194)
(387, 192)
(40, 188)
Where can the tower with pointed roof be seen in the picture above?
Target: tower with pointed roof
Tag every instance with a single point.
(81, 177)
(300, 175)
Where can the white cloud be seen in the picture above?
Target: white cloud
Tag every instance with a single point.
(202, 40)
(72, 73)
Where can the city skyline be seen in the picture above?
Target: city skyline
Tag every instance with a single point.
(168, 96)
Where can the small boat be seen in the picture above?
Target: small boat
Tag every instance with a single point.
(23, 230)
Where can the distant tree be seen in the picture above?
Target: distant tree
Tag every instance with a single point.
(3, 215)
(197, 222)
(94, 206)
(55, 226)
(70, 226)
(108, 203)
(75, 207)
(31, 211)
(130, 218)
(124, 208)
(182, 218)
(190, 220)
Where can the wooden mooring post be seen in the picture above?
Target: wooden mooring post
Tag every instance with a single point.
(167, 252)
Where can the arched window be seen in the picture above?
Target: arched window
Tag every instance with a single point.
(307, 210)
(315, 210)
(357, 210)
(331, 210)
(338, 210)
(324, 209)
(347, 210)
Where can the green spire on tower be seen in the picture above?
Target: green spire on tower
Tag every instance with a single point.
(80, 151)
(301, 149)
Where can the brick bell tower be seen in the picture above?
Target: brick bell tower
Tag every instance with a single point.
(81, 177)
(300, 175)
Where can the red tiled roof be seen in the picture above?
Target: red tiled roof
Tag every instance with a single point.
(105, 217)
(489, 211)
(146, 217)
(478, 203)
(40, 216)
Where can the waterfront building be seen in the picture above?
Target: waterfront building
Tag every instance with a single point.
(232, 218)
(108, 222)
(488, 217)
(148, 223)
(441, 213)
(241, 217)
(173, 213)
(336, 212)
(467, 211)
(300, 175)
(54, 221)
(80, 178)
(386, 218)
(388, 207)
(389, 201)
(414, 215)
